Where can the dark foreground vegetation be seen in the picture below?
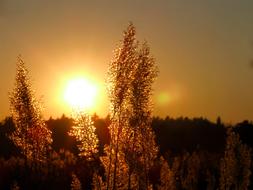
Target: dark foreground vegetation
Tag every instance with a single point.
(196, 145)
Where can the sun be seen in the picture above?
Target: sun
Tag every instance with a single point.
(80, 93)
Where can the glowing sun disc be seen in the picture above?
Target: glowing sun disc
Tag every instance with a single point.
(80, 93)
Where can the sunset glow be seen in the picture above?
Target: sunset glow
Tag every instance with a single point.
(80, 93)
(204, 58)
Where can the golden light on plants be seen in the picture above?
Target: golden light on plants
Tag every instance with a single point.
(80, 93)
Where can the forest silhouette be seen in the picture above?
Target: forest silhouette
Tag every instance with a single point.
(128, 149)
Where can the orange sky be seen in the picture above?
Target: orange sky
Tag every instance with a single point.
(202, 48)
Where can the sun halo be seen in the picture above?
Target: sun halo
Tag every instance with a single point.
(80, 93)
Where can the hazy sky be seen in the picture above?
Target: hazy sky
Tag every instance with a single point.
(203, 50)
